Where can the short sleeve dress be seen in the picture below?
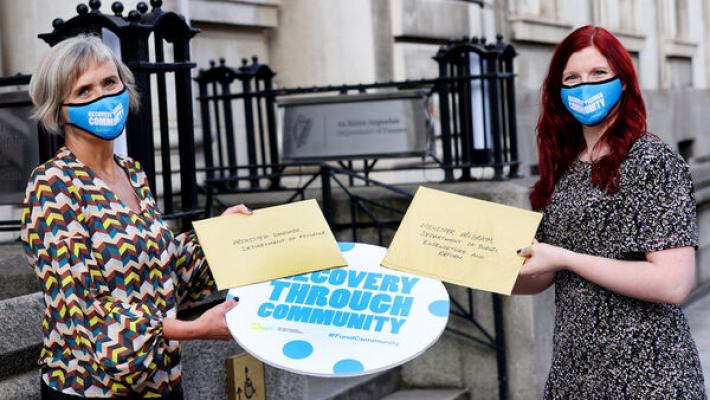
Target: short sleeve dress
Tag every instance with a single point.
(608, 346)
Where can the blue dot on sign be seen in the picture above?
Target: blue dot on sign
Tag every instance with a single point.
(439, 308)
(346, 246)
(297, 349)
(348, 366)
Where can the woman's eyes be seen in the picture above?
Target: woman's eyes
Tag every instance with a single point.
(107, 83)
(574, 77)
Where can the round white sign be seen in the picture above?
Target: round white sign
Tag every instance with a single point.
(348, 321)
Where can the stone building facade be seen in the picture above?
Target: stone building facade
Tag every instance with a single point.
(318, 42)
(321, 42)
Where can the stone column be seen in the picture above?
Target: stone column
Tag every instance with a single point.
(322, 42)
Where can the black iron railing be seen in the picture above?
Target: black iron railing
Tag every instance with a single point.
(478, 119)
(475, 91)
(258, 116)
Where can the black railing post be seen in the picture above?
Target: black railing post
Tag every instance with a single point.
(327, 194)
(139, 126)
(496, 128)
(508, 53)
(482, 147)
(217, 122)
(501, 361)
(174, 29)
(270, 104)
(442, 87)
(206, 124)
(258, 94)
(225, 81)
(165, 147)
(465, 115)
(246, 76)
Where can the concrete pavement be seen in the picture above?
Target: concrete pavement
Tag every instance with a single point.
(698, 314)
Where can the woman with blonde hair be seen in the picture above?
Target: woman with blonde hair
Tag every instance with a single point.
(112, 272)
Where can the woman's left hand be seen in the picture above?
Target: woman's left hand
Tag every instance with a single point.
(238, 209)
(541, 258)
(212, 323)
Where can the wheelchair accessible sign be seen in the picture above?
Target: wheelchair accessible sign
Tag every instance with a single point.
(350, 321)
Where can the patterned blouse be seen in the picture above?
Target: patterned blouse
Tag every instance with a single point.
(109, 276)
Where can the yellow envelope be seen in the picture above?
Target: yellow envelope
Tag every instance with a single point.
(271, 243)
(461, 240)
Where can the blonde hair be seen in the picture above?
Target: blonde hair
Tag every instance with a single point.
(61, 67)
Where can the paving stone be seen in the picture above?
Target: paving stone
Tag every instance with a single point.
(697, 313)
(23, 386)
(429, 394)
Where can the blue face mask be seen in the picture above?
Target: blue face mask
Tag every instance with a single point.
(104, 117)
(591, 102)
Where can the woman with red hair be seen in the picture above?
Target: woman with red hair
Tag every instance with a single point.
(618, 233)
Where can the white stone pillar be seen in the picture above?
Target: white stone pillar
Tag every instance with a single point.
(321, 42)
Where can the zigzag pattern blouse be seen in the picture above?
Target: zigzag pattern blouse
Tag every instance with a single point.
(109, 276)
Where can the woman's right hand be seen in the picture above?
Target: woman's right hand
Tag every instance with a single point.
(210, 325)
(533, 279)
(238, 209)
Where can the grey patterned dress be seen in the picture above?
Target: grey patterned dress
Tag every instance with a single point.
(608, 346)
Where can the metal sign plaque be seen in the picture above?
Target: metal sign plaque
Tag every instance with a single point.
(19, 153)
(356, 126)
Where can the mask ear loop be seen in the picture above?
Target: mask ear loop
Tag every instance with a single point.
(62, 117)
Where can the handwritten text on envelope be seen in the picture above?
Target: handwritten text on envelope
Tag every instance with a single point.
(271, 243)
(462, 240)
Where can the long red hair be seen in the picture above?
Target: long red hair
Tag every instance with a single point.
(559, 135)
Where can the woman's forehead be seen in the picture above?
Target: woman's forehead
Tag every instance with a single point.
(585, 59)
(95, 69)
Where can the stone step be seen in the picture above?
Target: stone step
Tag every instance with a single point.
(366, 387)
(24, 386)
(16, 275)
(429, 394)
(21, 333)
(203, 370)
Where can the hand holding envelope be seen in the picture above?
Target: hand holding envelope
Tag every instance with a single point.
(453, 238)
(462, 240)
(271, 243)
